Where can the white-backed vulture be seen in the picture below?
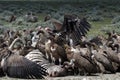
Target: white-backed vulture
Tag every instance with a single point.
(48, 51)
(81, 62)
(58, 53)
(102, 58)
(55, 52)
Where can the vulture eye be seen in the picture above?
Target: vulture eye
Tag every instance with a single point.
(55, 72)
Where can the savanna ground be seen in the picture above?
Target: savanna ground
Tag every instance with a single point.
(103, 15)
(94, 77)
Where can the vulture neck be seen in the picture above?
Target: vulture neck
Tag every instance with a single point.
(35, 39)
(10, 34)
(13, 43)
(71, 42)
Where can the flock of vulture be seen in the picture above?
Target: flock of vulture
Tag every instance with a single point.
(64, 50)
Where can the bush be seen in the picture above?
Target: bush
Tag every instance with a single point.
(61, 19)
(116, 20)
(56, 15)
(95, 15)
(110, 28)
(6, 15)
(109, 15)
(94, 18)
(19, 21)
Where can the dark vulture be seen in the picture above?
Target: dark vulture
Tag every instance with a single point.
(12, 18)
(48, 17)
(72, 28)
(17, 66)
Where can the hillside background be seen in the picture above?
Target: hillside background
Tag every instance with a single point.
(103, 15)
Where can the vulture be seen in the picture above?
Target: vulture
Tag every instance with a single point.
(81, 62)
(102, 58)
(72, 28)
(12, 18)
(31, 17)
(16, 66)
(55, 52)
(48, 17)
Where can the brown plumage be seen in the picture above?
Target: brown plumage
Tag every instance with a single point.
(112, 55)
(55, 52)
(12, 18)
(19, 67)
(58, 53)
(102, 58)
(47, 50)
(81, 62)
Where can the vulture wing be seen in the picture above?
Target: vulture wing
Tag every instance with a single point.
(20, 67)
(74, 28)
(80, 28)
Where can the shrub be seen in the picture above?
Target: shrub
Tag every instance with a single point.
(115, 20)
(56, 15)
(6, 15)
(94, 18)
(61, 19)
(109, 14)
(110, 28)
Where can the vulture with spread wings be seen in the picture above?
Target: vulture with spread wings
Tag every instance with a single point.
(17, 66)
(72, 28)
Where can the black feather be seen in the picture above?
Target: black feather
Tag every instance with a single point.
(20, 67)
(74, 27)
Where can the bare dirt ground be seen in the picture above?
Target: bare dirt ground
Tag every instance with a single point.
(94, 77)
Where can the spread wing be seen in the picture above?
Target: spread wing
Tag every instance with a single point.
(74, 28)
(20, 67)
(80, 28)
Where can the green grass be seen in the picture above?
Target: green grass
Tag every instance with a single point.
(97, 26)
(86, 7)
(41, 16)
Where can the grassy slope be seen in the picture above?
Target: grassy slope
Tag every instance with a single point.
(96, 26)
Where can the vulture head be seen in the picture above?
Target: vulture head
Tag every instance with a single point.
(57, 71)
(69, 52)
(61, 70)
